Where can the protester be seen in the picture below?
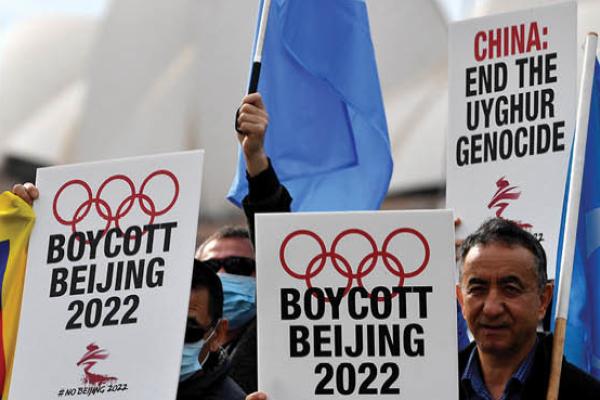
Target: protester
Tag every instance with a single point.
(504, 294)
(265, 193)
(205, 366)
(27, 192)
(230, 250)
(230, 253)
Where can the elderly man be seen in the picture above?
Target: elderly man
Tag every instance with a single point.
(504, 294)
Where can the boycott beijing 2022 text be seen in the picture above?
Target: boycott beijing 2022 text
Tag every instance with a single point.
(111, 259)
(386, 321)
(127, 269)
(370, 340)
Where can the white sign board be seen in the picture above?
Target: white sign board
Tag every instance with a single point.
(108, 280)
(511, 119)
(356, 305)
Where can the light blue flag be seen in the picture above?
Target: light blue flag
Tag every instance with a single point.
(582, 344)
(327, 136)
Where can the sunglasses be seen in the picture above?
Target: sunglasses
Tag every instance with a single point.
(232, 265)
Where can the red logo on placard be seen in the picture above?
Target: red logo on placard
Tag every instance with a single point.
(343, 267)
(121, 201)
(89, 360)
(503, 198)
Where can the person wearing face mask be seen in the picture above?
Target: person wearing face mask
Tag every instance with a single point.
(239, 305)
(230, 253)
(204, 372)
(230, 250)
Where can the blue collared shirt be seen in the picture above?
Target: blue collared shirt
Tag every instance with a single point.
(472, 380)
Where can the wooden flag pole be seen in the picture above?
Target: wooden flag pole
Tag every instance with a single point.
(260, 40)
(570, 228)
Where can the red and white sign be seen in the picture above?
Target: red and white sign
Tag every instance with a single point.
(108, 279)
(356, 305)
(511, 119)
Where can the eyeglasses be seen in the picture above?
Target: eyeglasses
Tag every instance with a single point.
(194, 332)
(232, 265)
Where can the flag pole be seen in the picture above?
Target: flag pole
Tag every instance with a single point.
(570, 228)
(260, 40)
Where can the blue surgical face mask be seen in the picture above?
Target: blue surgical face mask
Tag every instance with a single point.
(190, 358)
(239, 299)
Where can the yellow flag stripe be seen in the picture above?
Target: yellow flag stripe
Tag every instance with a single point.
(16, 222)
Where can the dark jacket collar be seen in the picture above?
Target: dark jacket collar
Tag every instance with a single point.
(216, 368)
(540, 369)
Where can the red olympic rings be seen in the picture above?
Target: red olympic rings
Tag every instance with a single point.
(343, 267)
(103, 209)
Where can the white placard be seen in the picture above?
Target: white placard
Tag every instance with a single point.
(511, 119)
(108, 280)
(356, 305)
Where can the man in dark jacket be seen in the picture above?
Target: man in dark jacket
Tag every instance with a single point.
(230, 253)
(504, 294)
(205, 366)
(574, 383)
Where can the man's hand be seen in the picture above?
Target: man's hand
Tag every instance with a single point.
(257, 396)
(26, 191)
(252, 121)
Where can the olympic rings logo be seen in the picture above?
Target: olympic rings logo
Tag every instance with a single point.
(343, 267)
(104, 210)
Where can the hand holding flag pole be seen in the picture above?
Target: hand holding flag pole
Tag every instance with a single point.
(572, 213)
(321, 89)
(257, 58)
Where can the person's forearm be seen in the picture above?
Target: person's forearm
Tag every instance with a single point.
(256, 163)
(266, 194)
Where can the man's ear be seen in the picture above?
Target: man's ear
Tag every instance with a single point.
(459, 295)
(219, 337)
(545, 299)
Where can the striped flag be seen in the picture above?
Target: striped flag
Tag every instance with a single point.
(16, 222)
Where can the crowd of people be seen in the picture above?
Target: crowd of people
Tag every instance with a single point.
(503, 292)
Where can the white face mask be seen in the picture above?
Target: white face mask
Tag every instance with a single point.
(190, 358)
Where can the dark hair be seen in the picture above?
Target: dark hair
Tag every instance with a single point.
(226, 232)
(204, 277)
(499, 230)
